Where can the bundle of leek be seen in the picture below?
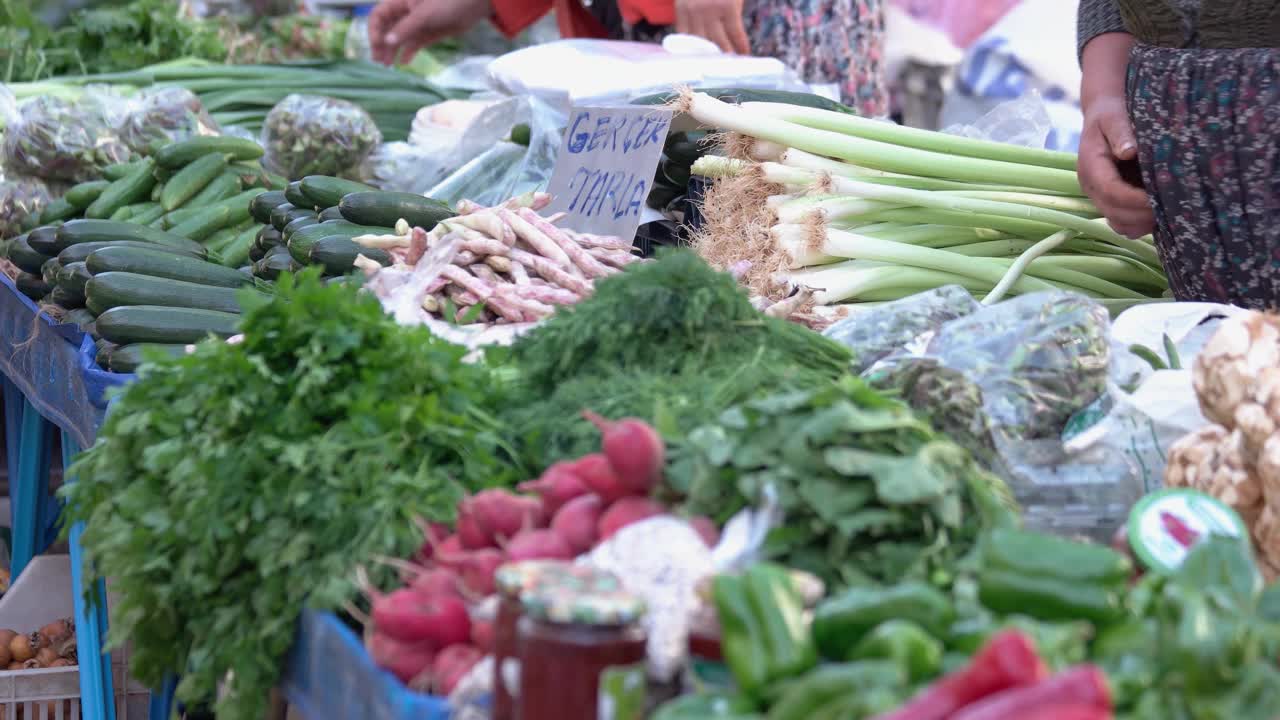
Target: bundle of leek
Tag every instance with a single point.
(857, 211)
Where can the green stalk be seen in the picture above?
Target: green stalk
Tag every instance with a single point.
(1013, 226)
(808, 161)
(1050, 202)
(1019, 266)
(914, 137)
(876, 155)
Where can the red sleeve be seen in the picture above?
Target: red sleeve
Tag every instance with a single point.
(655, 12)
(513, 16)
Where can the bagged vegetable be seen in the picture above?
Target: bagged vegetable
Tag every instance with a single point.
(875, 334)
(165, 115)
(21, 200)
(312, 135)
(55, 139)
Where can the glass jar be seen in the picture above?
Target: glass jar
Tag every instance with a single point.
(582, 652)
(512, 580)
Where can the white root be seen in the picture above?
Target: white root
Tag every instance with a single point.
(551, 271)
(466, 207)
(367, 265)
(386, 242)
(482, 222)
(500, 263)
(783, 309)
(518, 272)
(590, 266)
(402, 227)
(543, 245)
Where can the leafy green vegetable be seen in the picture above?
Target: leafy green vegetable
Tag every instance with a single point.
(233, 486)
(672, 341)
(869, 492)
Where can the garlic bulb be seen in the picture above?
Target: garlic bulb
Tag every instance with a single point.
(1232, 361)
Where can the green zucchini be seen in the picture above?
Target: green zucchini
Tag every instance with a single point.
(277, 250)
(301, 241)
(145, 217)
(326, 192)
(262, 205)
(236, 252)
(64, 298)
(298, 224)
(74, 277)
(123, 213)
(132, 188)
(192, 179)
(82, 196)
(103, 356)
(293, 195)
(331, 213)
(220, 188)
(183, 153)
(49, 271)
(270, 267)
(57, 211)
(154, 324)
(128, 358)
(118, 170)
(284, 214)
(44, 240)
(22, 255)
(338, 254)
(80, 317)
(204, 223)
(179, 216)
(81, 252)
(82, 231)
(118, 289)
(32, 285)
(141, 261)
(215, 242)
(385, 208)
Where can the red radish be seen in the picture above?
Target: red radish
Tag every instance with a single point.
(576, 522)
(452, 664)
(478, 571)
(493, 515)
(538, 545)
(404, 660)
(437, 621)
(436, 582)
(435, 533)
(626, 511)
(447, 551)
(482, 633)
(635, 450)
(557, 486)
(598, 475)
(703, 525)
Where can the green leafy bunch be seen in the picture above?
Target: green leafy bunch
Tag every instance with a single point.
(672, 341)
(232, 487)
(869, 492)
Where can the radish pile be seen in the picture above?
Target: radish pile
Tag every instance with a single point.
(428, 633)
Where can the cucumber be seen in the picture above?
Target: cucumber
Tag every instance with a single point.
(277, 250)
(32, 285)
(179, 154)
(236, 252)
(270, 267)
(145, 217)
(82, 231)
(57, 211)
(44, 240)
(179, 216)
(132, 188)
(331, 213)
(262, 205)
(385, 208)
(103, 356)
(82, 196)
(153, 324)
(141, 261)
(219, 240)
(192, 179)
(118, 170)
(49, 271)
(204, 223)
(74, 277)
(123, 213)
(81, 252)
(220, 188)
(64, 298)
(118, 289)
(128, 358)
(81, 317)
(326, 192)
(298, 224)
(300, 242)
(293, 195)
(338, 254)
(284, 214)
(27, 259)
(268, 237)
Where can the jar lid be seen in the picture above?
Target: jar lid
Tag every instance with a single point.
(1165, 525)
(518, 578)
(598, 601)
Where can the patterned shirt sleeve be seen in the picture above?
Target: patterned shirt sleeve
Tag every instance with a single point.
(1095, 18)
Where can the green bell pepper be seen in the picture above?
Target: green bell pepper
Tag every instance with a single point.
(829, 685)
(841, 622)
(707, 706)
(1051, 578)
(904, 643)
(763, 636)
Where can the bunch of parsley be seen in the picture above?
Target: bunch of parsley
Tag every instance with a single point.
(230, 488)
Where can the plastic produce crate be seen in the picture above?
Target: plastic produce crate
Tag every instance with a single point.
(41, 595)
(329, 676)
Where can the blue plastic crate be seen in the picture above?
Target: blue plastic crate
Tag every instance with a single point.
(330, 676)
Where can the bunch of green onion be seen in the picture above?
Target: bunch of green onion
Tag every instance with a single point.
(870, 211)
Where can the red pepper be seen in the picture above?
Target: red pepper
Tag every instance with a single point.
(1008, 660)
(1068, 712)
(1081, 685)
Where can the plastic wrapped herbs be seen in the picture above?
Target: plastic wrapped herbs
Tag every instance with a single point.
(165, 115)
(312, 135)
(55, 139)
(21, 200)
(891, 328)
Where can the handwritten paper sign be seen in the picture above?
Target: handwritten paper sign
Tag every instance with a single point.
(605, 168)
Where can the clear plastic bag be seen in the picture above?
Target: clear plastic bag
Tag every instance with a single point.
(314, 135)
(1024, 122)
(69, 140)
(21, 200)
(164, 115)
(897, 326)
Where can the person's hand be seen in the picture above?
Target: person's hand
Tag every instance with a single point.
(719, 21)
(398, 29)
(1108, 168)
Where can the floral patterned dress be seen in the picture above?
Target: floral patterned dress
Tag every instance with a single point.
(837, 42)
